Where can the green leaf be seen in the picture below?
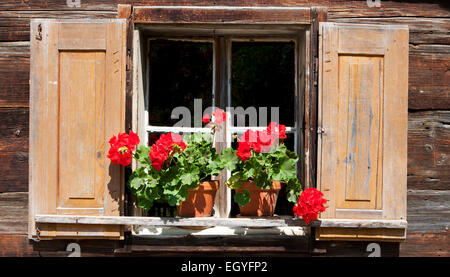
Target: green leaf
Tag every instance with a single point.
(235, 181)
(136, 183)
(189, 177)
(242, 198)
(229, 159)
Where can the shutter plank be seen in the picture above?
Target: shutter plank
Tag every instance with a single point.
(77, 103)
(363, 112)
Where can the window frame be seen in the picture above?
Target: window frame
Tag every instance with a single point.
(221, 90)
(231, 17)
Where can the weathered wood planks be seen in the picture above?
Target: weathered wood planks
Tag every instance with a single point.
(428, 90)
(14, 149)
(429, 150)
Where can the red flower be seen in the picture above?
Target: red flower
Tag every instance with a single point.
(206, 118)
(220, 116)
(265, 140)
(279, 130)
(310, 204)
(158, 155)
(121, 148)
(133, 140)
(166, 145)
(243, 151)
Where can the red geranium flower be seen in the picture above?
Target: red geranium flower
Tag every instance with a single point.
(310, 204)
(121, 148)
(279, 130)
(243, 151)
(265, 140)
(206, 118)
(220, 116)
(165, 146)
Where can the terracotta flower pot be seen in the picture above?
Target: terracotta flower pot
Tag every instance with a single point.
(262, 201)
(200, 201)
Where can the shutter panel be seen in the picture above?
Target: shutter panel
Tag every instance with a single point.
(77, 96)
(362, 148)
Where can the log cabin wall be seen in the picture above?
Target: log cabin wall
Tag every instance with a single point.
(428, 127)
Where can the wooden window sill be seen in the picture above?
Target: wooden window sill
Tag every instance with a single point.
(224, 222)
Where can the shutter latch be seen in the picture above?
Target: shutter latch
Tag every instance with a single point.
(320, 130)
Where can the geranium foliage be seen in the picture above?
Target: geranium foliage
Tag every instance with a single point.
(173, 165)
(262, 157)
(169, 169)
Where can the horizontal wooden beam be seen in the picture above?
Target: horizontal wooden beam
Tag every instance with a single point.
(222, 15)
(228, 222)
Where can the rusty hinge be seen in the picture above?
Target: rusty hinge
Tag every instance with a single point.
(316, 71)
(128, 59)
(39, 35)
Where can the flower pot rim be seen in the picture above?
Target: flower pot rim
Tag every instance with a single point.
(208, 185)
(251, 185)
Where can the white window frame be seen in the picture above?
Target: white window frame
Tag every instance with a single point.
(223, 203)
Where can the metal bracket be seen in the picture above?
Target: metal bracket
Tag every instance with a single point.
(320, 130)
(39, 35)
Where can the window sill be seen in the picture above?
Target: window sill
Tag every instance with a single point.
(218, 231)
(224, 222)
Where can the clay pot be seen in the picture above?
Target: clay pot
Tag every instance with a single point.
(200, 201)
(262, 201)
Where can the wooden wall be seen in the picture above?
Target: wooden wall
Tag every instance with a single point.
(429, 110)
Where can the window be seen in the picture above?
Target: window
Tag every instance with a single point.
(254, 75)
(80, 72)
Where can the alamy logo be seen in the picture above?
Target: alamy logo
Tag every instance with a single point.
(254, 116)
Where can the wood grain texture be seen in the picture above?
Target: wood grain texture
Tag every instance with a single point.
(429, 77)
(338, 8)
(14, 74)
(429, 150)
(227, 222)
(14, 213)
(428, 89)
(426, 245)
(428, 211)
(77, 104)
(421, 30)
(220, 15)
(15, 25)
(14, 149)
(363, 112)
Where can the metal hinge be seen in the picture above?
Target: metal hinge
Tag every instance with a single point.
(39, 35)
(316, 71)
(320, 130)
(128, 59)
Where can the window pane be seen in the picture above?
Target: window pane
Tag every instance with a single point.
(263, 75)
(180, 72)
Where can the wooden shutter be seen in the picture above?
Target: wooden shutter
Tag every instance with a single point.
(363, 94)
(77, 93)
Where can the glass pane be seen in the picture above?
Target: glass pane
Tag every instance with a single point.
(263, 75)
(180, 72)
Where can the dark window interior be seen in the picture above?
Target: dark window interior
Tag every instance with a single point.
(180, 71)
(263, 75)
